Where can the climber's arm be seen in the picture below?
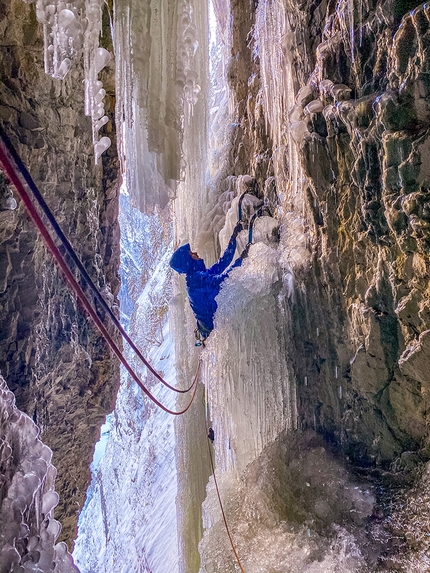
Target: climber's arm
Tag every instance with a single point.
(220, 266)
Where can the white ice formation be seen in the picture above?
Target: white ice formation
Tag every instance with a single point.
(28, 530)
(128, 524)
(159, 48)
(72, 30)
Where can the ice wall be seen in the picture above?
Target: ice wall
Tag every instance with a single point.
(246, 376)
(28, 530)
(129, 520)
(248, 372)
(273, 45)
(157, 46)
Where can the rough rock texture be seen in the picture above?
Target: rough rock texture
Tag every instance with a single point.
(361, 310)
(51, 355)
(361, 307)
(369, 238)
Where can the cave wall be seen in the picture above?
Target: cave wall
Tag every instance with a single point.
(360, 311)
(51, 356)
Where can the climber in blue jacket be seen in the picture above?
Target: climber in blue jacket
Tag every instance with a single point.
(203, 284)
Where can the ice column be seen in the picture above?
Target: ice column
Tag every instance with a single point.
(157, 45)
(274, 43)
(95, 59)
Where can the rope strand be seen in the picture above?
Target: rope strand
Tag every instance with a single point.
(13, 176)
(72, 253)
(218, 493)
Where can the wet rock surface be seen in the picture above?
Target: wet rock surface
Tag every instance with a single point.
(51, 356)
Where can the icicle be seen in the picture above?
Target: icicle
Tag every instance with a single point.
(70, 31)
(100, 147)
(29, 498)
(351, 28)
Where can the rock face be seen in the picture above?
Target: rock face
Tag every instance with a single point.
(360, 125)
(338, 113)
(332, 105)
(51, 355)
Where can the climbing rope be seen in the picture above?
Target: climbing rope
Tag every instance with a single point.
(12, 173)
(71, 252)
(219, 500)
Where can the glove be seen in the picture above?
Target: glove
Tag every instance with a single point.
(245, 251)
(237, 229)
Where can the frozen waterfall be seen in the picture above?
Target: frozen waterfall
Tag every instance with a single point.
(290, 502)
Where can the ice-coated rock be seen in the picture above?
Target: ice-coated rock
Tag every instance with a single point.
(296, 113)
(340, 92)
(325, 86)
(304, 95)
(65, 17)
(49, 501)
(314, 106)
(65, 66)
(27, 533)
(298, 130)
(101, 146)
(101, 122)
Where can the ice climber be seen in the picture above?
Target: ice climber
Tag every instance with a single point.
(203, 284)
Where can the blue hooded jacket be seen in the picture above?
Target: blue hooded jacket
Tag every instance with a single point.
(203, 284)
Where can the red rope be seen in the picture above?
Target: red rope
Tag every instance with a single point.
(38, 197)
(221, 506)
(9, 169)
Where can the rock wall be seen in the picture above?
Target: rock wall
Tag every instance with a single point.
(356, 116)
(52, 357)
(360, 314)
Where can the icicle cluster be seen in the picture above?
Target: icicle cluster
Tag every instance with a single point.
(157, 46)
(72, 29)
(28, 530)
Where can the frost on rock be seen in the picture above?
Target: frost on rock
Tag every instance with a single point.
(28, 530)
(158, 45)
(72, 30)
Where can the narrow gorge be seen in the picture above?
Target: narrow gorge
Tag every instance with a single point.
(142, 123)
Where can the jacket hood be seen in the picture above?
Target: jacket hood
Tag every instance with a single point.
(182, 261)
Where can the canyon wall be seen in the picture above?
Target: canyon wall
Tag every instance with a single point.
(360, 313)
(329, 112)
(51, 356)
